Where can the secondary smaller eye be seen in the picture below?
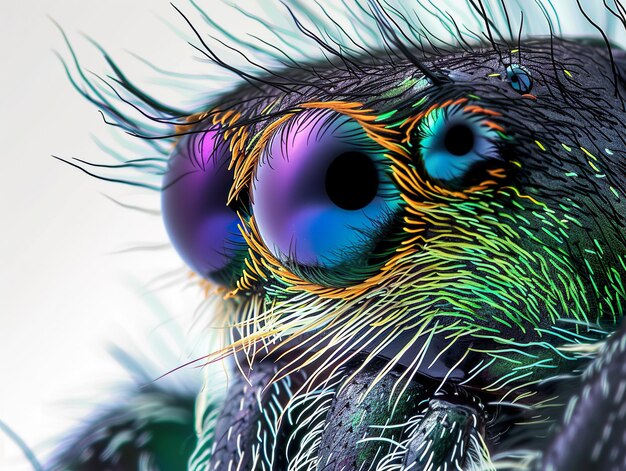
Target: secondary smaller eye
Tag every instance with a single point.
(459, 140)
(520, 79)
(452, 140)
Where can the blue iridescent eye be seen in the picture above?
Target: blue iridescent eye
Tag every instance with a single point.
(520, 79)
(452, 140)
(323, 192)
(203, 229)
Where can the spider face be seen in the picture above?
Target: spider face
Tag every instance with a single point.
(416, 250)
(457, 233)
(453, 229)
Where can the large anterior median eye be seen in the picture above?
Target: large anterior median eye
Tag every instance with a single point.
(452, 140)
(203, 229)
(323, 194)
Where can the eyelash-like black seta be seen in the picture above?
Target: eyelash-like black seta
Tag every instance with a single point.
(411, 218)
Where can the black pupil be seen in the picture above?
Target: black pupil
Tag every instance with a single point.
(459, 140)
(352, 181)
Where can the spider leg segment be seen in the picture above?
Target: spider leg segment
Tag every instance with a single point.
(448, 436)
(593, 432)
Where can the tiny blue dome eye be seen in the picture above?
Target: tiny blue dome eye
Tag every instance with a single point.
(520, 79)
(202, 228)
(452, 140)
(323, 193)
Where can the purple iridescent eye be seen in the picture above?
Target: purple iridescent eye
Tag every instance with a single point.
(323, 193)
(203, 229)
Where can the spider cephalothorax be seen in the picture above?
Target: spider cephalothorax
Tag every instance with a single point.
(417, 249)
(462, 231)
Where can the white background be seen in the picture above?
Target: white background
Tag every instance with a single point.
(64, 293)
